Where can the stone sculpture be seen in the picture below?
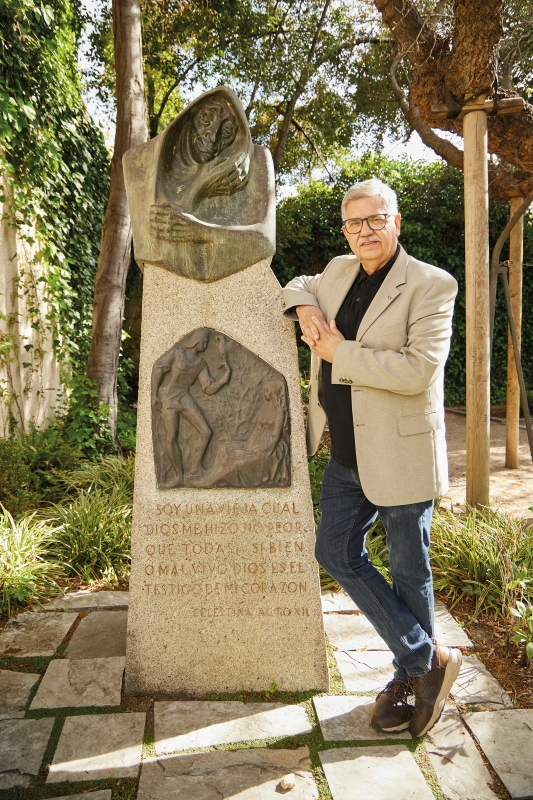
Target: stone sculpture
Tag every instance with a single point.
(222, 568)
(210, 207)
(220, 416)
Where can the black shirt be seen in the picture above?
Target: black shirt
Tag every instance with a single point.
(336, 399)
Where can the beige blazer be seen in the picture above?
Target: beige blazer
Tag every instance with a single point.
(395, 367)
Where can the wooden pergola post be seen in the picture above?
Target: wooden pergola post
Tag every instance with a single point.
(477, 308)
(516, 254)
(474, 116)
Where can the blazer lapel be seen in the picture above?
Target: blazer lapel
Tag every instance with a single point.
(331, 297)
(387, 292)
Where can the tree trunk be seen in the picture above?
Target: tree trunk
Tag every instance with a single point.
(465, 66)
(114, 259)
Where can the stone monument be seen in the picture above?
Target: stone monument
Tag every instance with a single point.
(224, 590)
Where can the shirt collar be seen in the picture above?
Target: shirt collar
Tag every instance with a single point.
(380, 274)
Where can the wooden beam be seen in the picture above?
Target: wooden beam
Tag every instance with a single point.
(507, 105)
(516, 251)
(477, 308)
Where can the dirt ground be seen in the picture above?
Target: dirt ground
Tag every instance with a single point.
(511, 490)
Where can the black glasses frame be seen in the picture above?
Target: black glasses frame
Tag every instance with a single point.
(362, 220)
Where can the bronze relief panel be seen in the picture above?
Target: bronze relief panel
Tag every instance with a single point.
(220, 416)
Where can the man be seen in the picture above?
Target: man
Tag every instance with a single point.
(378, 324)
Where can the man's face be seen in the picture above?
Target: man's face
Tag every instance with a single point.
(213, 129)
(372, 248)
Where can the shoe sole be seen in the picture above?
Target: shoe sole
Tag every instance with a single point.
(399, 729)
(453, 667)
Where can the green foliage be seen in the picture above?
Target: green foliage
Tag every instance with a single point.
(53, 159)
(523, 633)
(317, 465)
(111, 475)
(87, 420)
(93, 534)
(485, 555)
(28, 466)
(26, 574)
(431, 201)
(86, 535)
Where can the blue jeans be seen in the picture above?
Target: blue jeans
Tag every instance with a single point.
(404, 614)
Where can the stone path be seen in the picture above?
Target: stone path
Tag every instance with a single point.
(67, 731)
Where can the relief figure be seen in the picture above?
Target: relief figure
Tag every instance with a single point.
(220, 416)
(172, 378)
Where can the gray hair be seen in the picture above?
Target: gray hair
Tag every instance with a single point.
(371, 188)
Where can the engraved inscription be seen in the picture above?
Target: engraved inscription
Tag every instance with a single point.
(220, 418)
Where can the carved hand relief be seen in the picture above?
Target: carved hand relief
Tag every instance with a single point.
(220, 416)
(201, 195)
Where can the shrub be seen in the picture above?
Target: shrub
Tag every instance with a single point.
(110, 475)
(93, 535)
(26, 572)
(28, 465)
(481, 554)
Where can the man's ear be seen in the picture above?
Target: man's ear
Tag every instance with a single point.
(398, 221)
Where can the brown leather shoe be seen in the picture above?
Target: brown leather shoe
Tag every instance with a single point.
(432, 689)
(391, 713)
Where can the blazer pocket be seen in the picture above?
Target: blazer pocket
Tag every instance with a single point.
(420, 423)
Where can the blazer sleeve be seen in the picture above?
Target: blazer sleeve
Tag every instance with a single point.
(301, 291)
(418, 364)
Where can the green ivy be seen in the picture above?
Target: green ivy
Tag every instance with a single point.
(431, 202)
(54, 160)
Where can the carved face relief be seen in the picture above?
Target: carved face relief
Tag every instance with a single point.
(214, 128)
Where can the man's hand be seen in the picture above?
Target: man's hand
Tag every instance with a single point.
(305, 318)
(321, 337)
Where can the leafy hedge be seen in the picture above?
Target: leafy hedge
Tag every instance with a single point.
(431, 202)
(53, 158)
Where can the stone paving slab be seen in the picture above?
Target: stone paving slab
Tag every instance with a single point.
(96, 746)
(85, 600)
(35, 634)
(188, 724)
(456, 760)
(475, 686)
(22, 746)
(352, 632)
(101, 634)
(381, 773)
(103, 794)
(368, 671)
(506, 738)
(447, 630)
(15, 689)
(338, 602)
(355, 632)
(219, 775)
(80, 682)
(345, 718)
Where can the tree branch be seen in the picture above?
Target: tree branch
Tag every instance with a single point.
(464, 68)
(444, 148)
(436, 15)
(307, 138)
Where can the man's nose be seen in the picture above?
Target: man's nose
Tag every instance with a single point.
(368, 228)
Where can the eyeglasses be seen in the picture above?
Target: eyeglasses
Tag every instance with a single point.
(376, 223)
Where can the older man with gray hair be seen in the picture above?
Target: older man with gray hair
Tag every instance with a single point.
(378, 324)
